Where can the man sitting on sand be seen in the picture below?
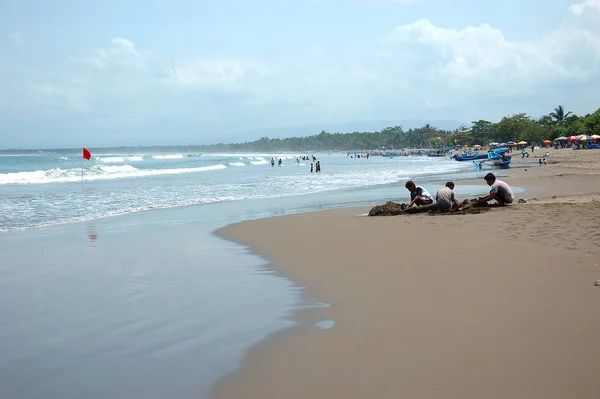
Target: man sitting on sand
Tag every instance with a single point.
(418, 195)
(500, 191)
(445, 199)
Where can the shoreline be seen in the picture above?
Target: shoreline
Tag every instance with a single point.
(277, 365)
(251, 306)
(185, 204)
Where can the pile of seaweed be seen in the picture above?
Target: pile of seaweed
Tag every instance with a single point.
(469, 206)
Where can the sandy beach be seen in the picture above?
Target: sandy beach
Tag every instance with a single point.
(493, 305)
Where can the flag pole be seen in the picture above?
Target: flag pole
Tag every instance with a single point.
(82, 169)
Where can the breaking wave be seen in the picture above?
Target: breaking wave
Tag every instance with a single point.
(261, 162)
(96, 172)
(134, 158)
(169, 156)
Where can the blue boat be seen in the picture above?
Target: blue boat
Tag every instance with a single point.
(470, 157)
(496, 160)
(475, 157)
(500, 150)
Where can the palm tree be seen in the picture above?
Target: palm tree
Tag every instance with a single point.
(559, 115)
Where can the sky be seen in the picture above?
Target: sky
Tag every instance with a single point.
(133, 72)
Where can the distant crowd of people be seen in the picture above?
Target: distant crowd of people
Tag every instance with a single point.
(315, 165)
(445, 198)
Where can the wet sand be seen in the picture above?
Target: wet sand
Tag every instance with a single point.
(494, 305)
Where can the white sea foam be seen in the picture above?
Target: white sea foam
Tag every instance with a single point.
(237, 164)
(168, 156)
(111, 159)
(261, 162)
(96, 172)
(120, 159)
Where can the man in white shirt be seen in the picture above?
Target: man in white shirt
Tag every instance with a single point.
(418, 195)
(500, 191)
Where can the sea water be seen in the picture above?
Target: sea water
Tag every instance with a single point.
(99, 299)
(58, 188)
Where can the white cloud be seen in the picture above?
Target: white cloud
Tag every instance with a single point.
(17, 38)
(479, 58)
(221, 72)
(418, 70)
(71, 95)
(122, 54)
(122, 44)
(376, 1)
(390, 1)
(592, 5)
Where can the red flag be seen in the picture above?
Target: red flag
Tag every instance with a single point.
(86, 153)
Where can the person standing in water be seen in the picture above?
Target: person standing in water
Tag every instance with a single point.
(272, 161)
(318, 167)
(311, 167)
(280, 161)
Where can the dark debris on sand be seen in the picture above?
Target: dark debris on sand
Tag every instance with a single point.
(390, 208)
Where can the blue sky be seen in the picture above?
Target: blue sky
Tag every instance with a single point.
(168, 72)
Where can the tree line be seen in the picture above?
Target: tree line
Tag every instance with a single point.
(515, 127)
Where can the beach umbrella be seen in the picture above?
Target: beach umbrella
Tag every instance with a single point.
(476, 146)
(571, 138)
(584, 137)
(561, 138)
(510, 143)
(547, 141)
(522, 142)
(595, 136)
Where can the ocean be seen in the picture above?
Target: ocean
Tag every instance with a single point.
(114, 285)
(58, 188)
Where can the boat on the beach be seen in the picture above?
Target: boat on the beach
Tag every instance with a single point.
(499, 160)
(391, 154)
(470, 157)
(495, 159)
(464, 157)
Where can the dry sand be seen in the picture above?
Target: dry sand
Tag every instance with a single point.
(495, 305)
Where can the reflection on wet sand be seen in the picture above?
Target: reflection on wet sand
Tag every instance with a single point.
(92, 235)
